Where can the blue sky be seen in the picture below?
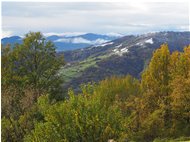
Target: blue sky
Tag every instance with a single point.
(18, 18)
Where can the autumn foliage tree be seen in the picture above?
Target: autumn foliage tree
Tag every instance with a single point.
(164, 108)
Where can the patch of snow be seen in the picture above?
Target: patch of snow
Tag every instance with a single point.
(139, 43)
(149, 41)
(115, 50)
(120, 52)
(119, 46)
(165, 34)
(124, 50)
(105, 44)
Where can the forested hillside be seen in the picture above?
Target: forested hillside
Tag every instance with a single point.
(153, 108)
(125, 55)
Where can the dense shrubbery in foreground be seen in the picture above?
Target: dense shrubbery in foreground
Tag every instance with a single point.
(156, 108)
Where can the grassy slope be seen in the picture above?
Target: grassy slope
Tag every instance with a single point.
(75, 69)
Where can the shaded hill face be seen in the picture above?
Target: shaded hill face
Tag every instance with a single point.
(11, 40)
(126, 55)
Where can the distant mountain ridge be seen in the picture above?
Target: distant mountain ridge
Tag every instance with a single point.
(11, 40)
(70, 42)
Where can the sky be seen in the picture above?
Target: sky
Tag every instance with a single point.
(18, 18)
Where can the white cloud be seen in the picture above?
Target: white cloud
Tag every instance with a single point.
(6, 33)
(81, 40)
(114, 34)
(65, 34)
(68, 18)
(63, 40)
(74, 40)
